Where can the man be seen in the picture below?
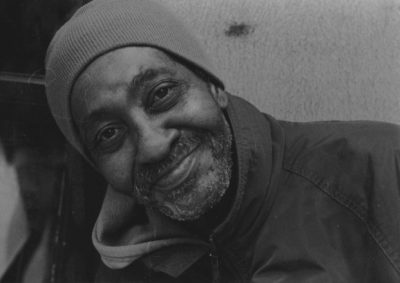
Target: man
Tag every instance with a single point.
(202, 186)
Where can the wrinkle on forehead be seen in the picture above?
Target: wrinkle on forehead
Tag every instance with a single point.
(116, 69)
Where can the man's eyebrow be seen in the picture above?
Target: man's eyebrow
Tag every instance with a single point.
(95, 116)
(148, 75)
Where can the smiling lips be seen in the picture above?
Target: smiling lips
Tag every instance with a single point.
(178, 174)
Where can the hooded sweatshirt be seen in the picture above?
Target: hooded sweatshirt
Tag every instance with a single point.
(314, 202)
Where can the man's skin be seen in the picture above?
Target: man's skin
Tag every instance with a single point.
(155, 129)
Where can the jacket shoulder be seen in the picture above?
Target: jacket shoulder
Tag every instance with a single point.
(356, 158)
(357, 164)
(367, 137)
(336, 148)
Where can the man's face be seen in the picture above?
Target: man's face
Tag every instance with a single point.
(155, 129)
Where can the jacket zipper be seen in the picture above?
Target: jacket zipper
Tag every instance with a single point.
(214, 261)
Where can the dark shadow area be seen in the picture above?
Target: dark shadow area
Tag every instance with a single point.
(60, 192)
(27, 27)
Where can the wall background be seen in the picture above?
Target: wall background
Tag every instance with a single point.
(304, 60)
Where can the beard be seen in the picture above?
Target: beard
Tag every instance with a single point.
(204, 187)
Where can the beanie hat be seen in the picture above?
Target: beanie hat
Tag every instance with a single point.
(105, 25)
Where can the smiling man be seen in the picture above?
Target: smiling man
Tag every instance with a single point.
(155, 129)
(202, 186)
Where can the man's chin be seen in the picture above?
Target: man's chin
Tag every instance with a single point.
(194, 203)
(196, 196)
(181, 214)
(184, 212)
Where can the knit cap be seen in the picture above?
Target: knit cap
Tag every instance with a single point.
(105, 25)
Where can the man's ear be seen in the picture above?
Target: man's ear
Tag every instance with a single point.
(219, 95)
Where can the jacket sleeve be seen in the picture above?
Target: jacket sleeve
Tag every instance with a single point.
(383, 213)
(359, 164)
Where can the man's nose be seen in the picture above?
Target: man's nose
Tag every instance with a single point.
(154, 142)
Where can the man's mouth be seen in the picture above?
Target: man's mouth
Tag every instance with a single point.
(177, 174)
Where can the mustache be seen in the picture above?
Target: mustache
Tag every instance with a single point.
(148, 173)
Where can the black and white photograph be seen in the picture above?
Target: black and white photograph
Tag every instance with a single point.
(208, 141)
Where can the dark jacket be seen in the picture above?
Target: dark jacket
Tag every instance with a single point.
(315, 202)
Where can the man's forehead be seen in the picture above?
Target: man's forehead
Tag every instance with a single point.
(119, 66)
(115, 74)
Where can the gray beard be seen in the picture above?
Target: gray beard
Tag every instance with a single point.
(180, 204)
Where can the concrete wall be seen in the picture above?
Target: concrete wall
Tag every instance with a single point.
(304, 59)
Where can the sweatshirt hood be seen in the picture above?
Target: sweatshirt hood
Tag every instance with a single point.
(121, 238)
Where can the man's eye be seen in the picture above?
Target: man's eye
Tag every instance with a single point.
(163, 97)
(161, 93)
(108, 136)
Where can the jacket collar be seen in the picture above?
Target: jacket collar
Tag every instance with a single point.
(253, 144)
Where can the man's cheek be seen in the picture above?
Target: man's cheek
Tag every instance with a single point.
(118, 175)
(208, 117)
